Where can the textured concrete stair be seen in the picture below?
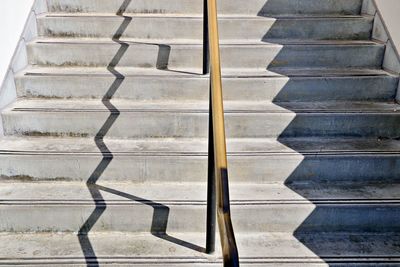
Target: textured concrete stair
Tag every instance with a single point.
(306, 160)
(189, 120)
(276, 249)
(180, 56)
(253, 7)
(257, 208)
(104, 158)
(157, 85)
(181, 27)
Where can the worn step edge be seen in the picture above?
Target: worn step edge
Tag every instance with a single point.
(122, 105)
(37, 71)
(194, 194)
(198, 147)
(200, 16)
(255, 249)
(198, 43)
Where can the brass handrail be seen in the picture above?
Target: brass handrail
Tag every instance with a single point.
(218, 203)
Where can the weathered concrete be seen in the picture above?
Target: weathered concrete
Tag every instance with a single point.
(277, 249)
(180, 57)
(107, 143)
(252, 7)
(158, 85)
(272, 208)
(191, 27)
(189, 120)
(142, 161)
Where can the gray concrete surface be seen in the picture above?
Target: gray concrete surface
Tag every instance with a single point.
(104, 161)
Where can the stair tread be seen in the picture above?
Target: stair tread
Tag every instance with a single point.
(146, 249)
(196, 43)
(122, 105)
(194, 194)
(285, 192)
(197, 146)
(200, 16)
(192, 73)
(329, 72)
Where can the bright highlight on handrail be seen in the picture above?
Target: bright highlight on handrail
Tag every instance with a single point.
(218, 202)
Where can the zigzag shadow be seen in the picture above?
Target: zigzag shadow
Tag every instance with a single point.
(316, 176)
(161, 212)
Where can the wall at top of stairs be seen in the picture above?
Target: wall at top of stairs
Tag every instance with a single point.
(18, 26)
(389, 10)
(386, 29)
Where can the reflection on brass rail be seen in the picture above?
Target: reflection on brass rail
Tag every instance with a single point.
(218, 184)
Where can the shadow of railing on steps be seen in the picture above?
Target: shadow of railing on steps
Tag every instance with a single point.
(161, 212)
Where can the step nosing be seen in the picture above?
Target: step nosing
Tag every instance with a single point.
(290, 111)
(153, 260)
(156, 260)
(158, 202)
(203, 154)
(233, 43)
(200, 16)
(233, 74)
(230, 76)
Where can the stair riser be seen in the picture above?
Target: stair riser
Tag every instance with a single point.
(158, 88)
(192, 28)
(253, 169)
(252, 7)
(174, 124)
(190, 218)
(181, 57)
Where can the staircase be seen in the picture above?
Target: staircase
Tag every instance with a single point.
(104, 159)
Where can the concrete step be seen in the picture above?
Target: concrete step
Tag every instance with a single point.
(180, 57)
(129, 119)
(305, 85)
(177, 207)
(166, 27)
(289, 160)
(253, 7)
(256, 250)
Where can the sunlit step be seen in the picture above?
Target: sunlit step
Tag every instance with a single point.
(167, 27)
(181, 207)
(178, 57)
(253, 160)
(277, 249)
(130, 119)
(283, 85)
(252, 7)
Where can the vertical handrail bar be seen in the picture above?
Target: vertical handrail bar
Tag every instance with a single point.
(218, 202)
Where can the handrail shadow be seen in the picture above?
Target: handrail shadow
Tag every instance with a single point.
(161, 212)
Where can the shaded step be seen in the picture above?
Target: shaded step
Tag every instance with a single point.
(128, 119)
(160, 208)
(179, 57)
(158, 85)
(310, 7)
(161, 27)
(318, 160)
(252, 7)
(256, 250)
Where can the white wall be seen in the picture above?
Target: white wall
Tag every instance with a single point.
(390, 12)
(387, 30)
(14, 14)
(18, 27)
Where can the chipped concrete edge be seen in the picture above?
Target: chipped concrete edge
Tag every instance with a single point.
(19, 60)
